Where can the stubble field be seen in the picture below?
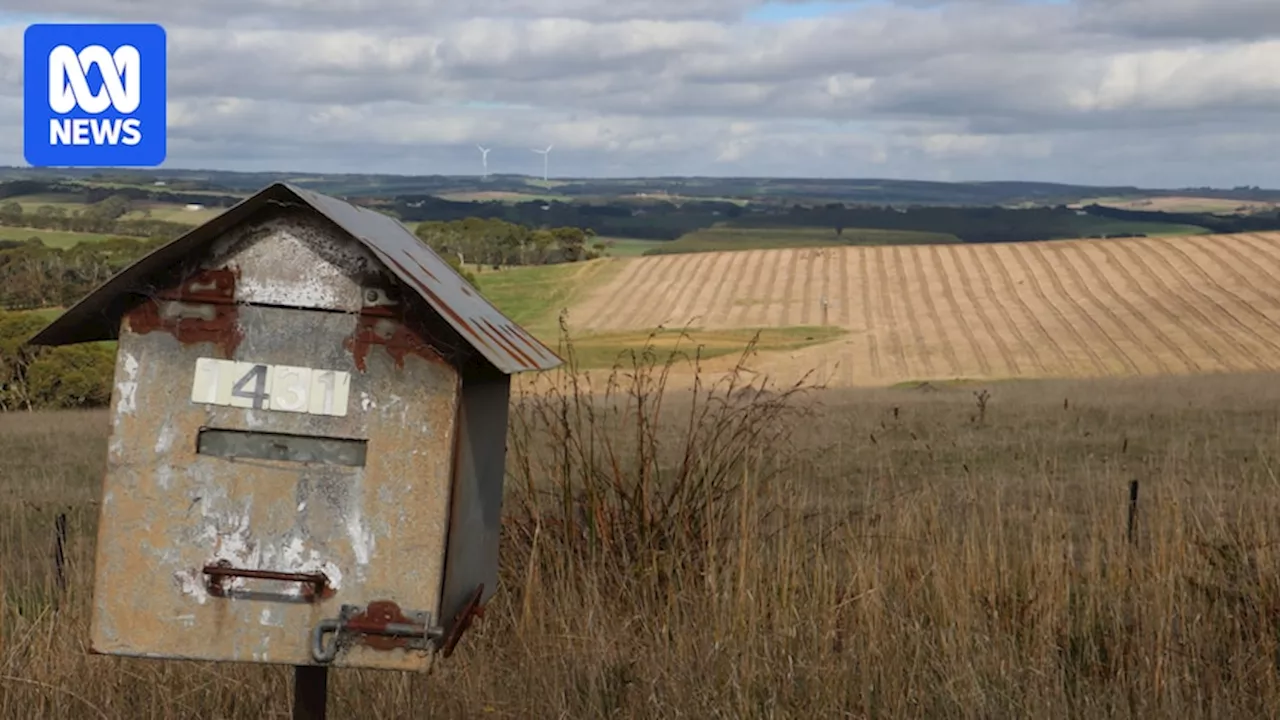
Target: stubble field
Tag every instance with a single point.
(1081, 308)
(887, 553)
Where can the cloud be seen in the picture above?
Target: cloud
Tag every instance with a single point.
(1104, 91)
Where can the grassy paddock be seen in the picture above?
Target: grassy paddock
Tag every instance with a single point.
(595, 351)
(792, 552)
(51, 238)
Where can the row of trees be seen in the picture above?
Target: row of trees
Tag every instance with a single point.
(104, 217)
(33, 275)
(74, 376)
(497, 243)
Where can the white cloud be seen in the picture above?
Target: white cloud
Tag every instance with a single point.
(1179, 92)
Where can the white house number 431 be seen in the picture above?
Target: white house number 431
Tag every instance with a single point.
(270, 387)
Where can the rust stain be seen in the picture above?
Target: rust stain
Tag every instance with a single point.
(510, 347)
(190, 323)
(370, 624)
(212, 286)
(199, 310)
(395, 337)
(517, 335)
(445, 309)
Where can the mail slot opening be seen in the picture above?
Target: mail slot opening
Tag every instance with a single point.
(250, 445)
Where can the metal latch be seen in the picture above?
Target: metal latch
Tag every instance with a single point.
(382, 626)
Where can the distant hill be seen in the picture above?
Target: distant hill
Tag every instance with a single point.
(871, 191)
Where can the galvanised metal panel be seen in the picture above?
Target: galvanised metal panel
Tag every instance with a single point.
(376, 532)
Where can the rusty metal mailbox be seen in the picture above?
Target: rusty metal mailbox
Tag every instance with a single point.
(307, 441)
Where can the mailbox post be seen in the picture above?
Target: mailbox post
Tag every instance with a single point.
(308, 427)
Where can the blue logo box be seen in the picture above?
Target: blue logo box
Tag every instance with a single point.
(94, 95)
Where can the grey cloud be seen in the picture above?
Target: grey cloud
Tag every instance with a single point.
(971, 88)
(1183, 19)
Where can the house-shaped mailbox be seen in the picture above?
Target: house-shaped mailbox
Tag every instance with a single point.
(308, 427)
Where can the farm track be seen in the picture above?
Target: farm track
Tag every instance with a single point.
(1078, 308)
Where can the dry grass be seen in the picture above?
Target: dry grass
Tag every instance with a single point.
(1079, 308)
(721, 552)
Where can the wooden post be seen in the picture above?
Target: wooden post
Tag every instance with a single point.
(59, 549)
(1133, 509)
(310, 692)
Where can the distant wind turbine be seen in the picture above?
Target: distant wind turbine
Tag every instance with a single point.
(484, 158)
(545, 154)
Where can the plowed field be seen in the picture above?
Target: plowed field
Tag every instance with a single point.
(1078, 308)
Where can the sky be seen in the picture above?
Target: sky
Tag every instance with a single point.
(1157, 93)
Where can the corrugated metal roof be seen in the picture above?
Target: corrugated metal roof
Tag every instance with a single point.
(506, 345)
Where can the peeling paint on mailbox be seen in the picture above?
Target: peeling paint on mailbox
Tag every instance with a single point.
(305, 459)
(376, 532)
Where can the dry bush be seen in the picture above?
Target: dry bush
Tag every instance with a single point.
(701, 553)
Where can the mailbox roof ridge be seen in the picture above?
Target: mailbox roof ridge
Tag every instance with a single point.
(507, 346)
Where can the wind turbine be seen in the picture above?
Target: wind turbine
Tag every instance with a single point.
(484, 158)
(545, 154)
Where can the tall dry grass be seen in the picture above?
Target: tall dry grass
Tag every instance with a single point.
(727, 552)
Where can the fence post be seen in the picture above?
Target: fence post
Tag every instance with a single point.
(310, 692)
(59, 550)
(1133, 510)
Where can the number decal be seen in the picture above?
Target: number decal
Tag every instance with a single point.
(271, 387)
(257, 397)
(291, 388)
(330, 390)
(204, 387)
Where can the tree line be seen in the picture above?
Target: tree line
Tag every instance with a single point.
(497, 243)
(73, 376)
(103, 217)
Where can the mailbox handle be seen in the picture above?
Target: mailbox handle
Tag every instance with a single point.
(316, 582)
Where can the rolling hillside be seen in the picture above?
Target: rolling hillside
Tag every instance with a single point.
(1077, 308)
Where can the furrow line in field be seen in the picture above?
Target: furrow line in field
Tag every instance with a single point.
(1241, 346)
(614, 292)
(1226, 245)
(1060, 288)
(1264, 247)
(948, 350)
(806, 307)
(792, 267)
(1031, 317)
(949, 293)
(766, 294)
(913, 319)
(718, 306)
(1087, 292)
(688, 276)
(643, 287)
(1247, 306)
(746, 293)
(699, 308)
(824, 300)
(989, 288)
(1036, 287)
(1185, 307)
(1137, 315)
(891, 318)
(1135, 287)
(846, 299)
(873, 347)
(1010, 362)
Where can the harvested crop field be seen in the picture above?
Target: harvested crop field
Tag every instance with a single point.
(1078, 308)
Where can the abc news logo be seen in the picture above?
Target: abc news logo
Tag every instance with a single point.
(94, 95)
(69, 89)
